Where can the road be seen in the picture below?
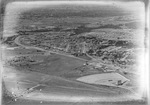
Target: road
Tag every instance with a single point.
(17, 41)
(47, 51)
(56, 93)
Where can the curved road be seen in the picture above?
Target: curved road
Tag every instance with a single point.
(17, 41)
(47, 93)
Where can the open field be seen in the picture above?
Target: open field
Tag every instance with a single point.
(22, 51)
(55, 64)
(104, 79)
(25, 84)
(29, 102)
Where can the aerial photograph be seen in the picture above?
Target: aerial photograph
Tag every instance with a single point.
(73, 52)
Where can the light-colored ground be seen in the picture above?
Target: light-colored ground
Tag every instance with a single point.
(36, 86)
(110, 79)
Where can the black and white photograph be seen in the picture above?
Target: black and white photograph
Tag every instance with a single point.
(85, 52)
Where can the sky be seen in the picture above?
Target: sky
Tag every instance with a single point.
(13, 9)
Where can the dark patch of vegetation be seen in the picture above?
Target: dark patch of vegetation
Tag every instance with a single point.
(10, 41)
(125, 44)
(90, 52)
(120, 43)
(111, 42)
(111, 26)
(103, 46)
(99, 53)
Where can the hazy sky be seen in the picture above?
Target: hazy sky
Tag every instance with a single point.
(15, 8)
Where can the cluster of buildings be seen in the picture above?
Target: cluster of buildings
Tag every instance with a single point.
(108, 50)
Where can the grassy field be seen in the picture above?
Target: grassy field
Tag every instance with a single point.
(28, 102)
(21, 51)
(54, 64)
(52, 85)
